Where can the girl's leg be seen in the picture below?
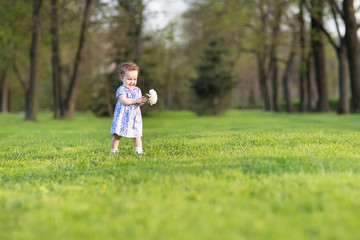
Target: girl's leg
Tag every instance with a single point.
(138, 145)
(115, 143)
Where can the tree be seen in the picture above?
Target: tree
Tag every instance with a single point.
(303, 83)
(266, 40)
(340, 49)
(13, 40)
(5, 91)
(166, 65)
(134, 11)
(353, 51)
(287, 72)
(214, 82)
(32, 92)
(71, 95)
(275, 32)
(261, 52)
(55, 62)
(319, 54)
(127, 32)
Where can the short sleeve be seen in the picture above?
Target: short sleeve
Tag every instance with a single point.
(120, 91)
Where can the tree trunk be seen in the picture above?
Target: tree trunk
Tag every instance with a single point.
(310, 85)
(264, 90)
(275, 87)
(5, 91)
(352, 44)
(71, 95)
(319, 55)
(340, 49)
(262, 55)
(55, 61)
(31, 103)
(215, 103)
(303, 62)
(273, 56)
(286, 83)
(287, 72)
(343, 106)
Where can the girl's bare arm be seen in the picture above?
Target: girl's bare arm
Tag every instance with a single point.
(128, 101)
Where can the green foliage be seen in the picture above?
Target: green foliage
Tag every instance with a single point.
(214, 82)
(334, 103)
(161, 68)
(13, 32)
(242, 175)
(226, 22)
(168, 57)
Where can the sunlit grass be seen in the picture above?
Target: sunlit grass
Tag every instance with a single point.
(243, 175)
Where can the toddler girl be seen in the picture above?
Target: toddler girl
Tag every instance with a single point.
(127, 120)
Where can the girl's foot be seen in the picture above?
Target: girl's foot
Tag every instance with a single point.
(113, 152)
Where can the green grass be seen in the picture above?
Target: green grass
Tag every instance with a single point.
(243, 175)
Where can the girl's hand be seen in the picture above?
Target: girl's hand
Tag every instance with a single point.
(142, 100)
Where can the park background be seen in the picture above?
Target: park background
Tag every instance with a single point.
(208, 56)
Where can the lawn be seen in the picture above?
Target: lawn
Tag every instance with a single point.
(243, 175)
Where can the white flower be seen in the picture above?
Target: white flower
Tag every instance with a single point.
(152, 97)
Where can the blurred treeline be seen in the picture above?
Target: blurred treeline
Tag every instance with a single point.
(280, 55)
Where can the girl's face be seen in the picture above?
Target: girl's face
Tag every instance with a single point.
(130, 79)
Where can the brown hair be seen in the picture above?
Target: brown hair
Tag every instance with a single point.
(126, 67)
